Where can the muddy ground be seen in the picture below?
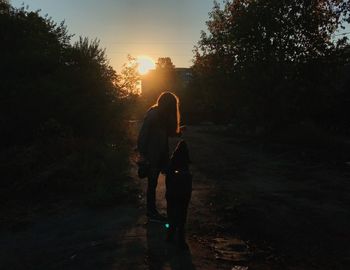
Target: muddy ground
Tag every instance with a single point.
(290, 204)
(254, 206)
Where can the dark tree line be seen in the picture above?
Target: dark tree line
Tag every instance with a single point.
(273, 63)
(61, 112)
(46, 78)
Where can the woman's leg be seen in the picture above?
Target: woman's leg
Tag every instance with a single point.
(151, 191)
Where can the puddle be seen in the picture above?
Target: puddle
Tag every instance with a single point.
(234, 250)
(240, 268)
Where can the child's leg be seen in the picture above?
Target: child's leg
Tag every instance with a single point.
(171, 219)
(182, 214)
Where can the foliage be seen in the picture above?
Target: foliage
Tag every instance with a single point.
(165, 64)
(129, 78)
(270, 63)
(61, 112)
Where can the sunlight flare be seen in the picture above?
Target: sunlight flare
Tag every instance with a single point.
(145, 64)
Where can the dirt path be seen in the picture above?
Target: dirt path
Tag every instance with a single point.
(290, 206)
(114, 238)
(291, 214)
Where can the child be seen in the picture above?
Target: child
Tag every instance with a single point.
(178, 193)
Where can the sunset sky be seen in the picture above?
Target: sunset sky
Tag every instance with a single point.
(156, 28)
(153, 28)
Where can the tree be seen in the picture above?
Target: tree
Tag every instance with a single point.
(4, 6)
(261, 61)
(129, 78)
(165, 64)
(61, 114)
(44, 77)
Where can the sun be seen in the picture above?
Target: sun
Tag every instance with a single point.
(145, 64)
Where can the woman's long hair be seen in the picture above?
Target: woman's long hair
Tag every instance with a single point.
(169, 113)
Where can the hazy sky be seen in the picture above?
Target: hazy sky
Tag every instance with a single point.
(156, 28)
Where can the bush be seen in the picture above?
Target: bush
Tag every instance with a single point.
(62, 134)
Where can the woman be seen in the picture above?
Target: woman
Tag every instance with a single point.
(161, 122)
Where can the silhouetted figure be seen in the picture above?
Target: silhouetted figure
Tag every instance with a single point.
(178, 193)
(161, 122)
